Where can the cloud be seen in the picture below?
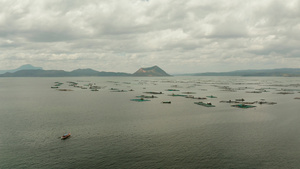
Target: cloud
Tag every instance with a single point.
(180, 35)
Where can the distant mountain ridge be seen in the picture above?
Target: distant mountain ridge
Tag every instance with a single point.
(61, 73)
(286, 72)
(150, 71)
(23, 67)
(31, 71)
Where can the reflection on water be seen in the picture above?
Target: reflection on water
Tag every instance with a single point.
(110, 131)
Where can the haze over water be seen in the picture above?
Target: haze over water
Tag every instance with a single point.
(110, 131)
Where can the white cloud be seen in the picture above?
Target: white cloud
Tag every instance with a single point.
(180, 35)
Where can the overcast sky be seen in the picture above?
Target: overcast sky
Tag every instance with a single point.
(180, 36)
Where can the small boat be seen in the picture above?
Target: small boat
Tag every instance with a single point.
(227, 101)
(264, 102)
(172, 90)
(64, 90)
(154, 92)
(200, 98)
(243, 106)
(166, 102)
(119, 91)
(144, 96)
(285, 93)
(189, 92)
(253, 91)
(175, 95)
(139, 100)
(211, 96)
(190, 96)
(65, 136)
(205, 104)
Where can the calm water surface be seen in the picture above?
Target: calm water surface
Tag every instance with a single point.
(110, 131)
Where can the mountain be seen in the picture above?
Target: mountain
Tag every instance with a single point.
(36, 73)
(32, 71)
(61, 73)
(287, 72)
(23, 67)
(91, 72)
(84, 72)
(150, 71)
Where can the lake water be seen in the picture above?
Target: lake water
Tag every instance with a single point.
(110, 131)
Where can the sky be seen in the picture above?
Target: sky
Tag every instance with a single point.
(179, 36)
